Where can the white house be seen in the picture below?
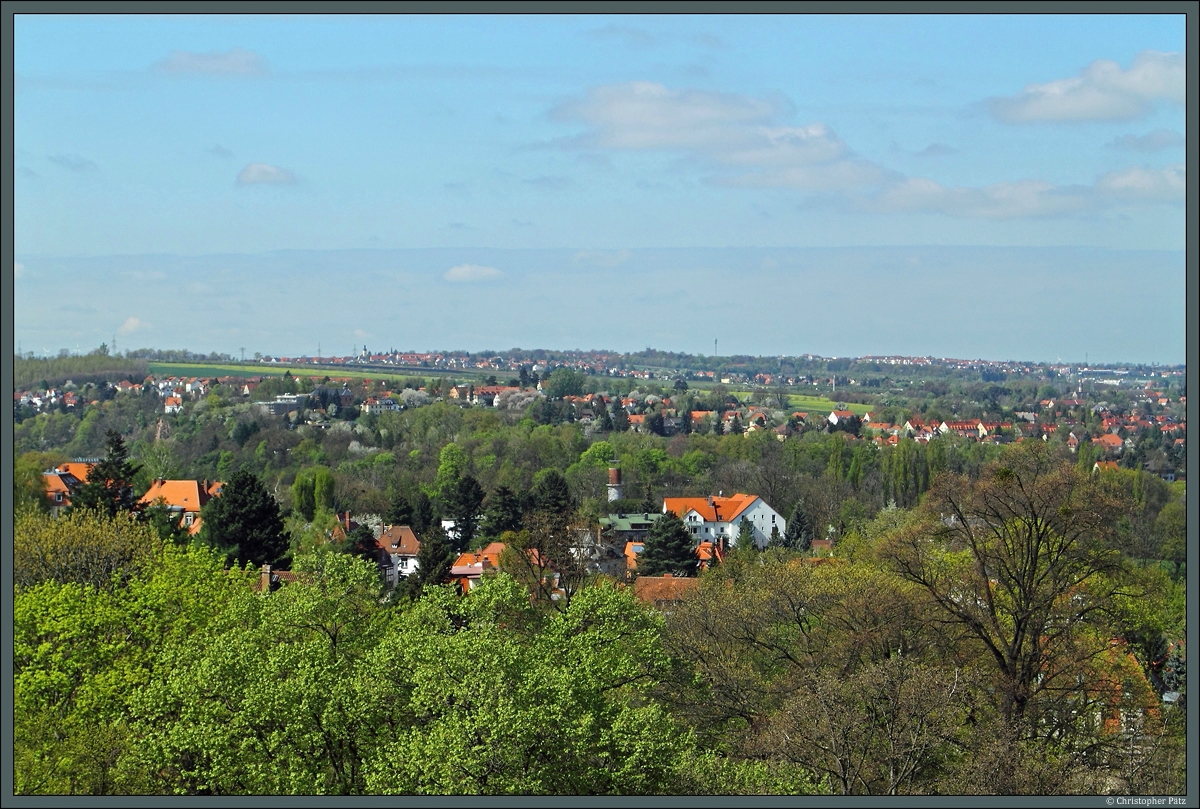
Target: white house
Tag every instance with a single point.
(711, 519)
(398, 547)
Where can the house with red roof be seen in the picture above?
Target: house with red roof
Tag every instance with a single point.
(398, 549)
(468, 569)
(713, 519)
(663, 592)
(184, 497)
(62, 481)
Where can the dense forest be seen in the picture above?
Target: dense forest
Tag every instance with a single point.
(994, 618)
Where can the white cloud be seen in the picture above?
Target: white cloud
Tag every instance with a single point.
(1154, 185)
(472, 272)
(1154, 141)
(1028, 198)
(18, 269)
(234, 62)
(1000, 201)
(1101, 92)
(736, 136)
(647, 115)
(131, 325)
(264, 174)
(361, 335)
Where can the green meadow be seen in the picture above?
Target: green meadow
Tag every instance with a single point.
(303, 372)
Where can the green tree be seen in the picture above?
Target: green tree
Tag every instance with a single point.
(745, 537)
(303, 495)
(80, 547)
(489, 679)
(669, 548)
(400, 510)
(435, 557)
(551, 493)
(1172, 528)
(29, 483)
(620, 418)
(502, 512)
(465, 501)
(244, 522)
(109, 487)
(799, 532)
(1021, 561)
(563, 382)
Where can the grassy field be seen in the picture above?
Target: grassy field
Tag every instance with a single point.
(812, 404)
(304, 372)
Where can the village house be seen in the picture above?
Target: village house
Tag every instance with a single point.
(62, 481)
(184, 497)
(398, 549)
(720, 518)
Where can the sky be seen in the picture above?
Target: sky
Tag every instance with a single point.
(1004, 187)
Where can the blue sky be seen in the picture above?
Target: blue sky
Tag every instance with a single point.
(218, 182)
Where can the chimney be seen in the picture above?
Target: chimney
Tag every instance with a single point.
(668, 575)
(265, 579)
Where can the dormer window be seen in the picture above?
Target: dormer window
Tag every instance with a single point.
(187, 519)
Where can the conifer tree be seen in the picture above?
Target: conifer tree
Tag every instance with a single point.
(109, 487)
(668, 549)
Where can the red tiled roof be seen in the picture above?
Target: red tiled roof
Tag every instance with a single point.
(712, 509)
(662, 590)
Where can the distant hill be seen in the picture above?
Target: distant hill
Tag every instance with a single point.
(28, 372)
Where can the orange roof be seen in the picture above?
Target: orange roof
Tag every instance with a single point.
(712, 509)
(1109, 440)
(662, 590)
(188, 496)
(77, 468)
(632, 549)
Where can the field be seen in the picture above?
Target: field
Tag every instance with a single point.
(303, 372)
(812, 404)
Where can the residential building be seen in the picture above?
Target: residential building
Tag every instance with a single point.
(720, 518)
(186, 497)
(398, 549)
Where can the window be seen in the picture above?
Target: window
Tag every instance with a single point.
(772, 519)
(58, 497)
(187, 519)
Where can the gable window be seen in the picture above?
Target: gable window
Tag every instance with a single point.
(58, 497)
(187, 519)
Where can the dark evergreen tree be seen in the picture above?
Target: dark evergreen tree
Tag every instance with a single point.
(465, 501)
(109, 487)
(776, 538)
(361, 543)
(655, 424)
(434, 560)
(735, 426)
(799, 533)
(400, 510)
(423, 516)
(745, 537)
(502, 512)
(620, 418)
(718, 426)
(550, 492)
(605, 418)
(244, 522)
(668, 549)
